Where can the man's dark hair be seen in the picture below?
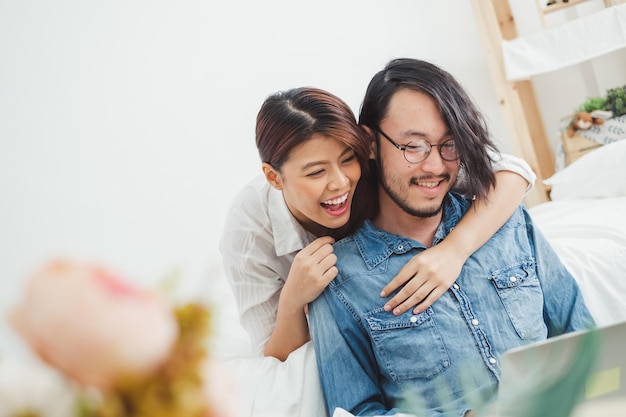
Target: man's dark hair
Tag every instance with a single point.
(463, 119)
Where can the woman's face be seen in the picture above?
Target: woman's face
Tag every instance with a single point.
(318, 182)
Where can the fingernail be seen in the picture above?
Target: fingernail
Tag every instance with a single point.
(397, 312)
(383, 294)
(387, 307)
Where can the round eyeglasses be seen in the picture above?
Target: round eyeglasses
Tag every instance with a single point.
(418, 150)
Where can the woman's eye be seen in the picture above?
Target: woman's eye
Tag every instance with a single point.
(315, 173)
(349, 159)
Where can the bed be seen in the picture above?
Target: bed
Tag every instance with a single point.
(585, 221)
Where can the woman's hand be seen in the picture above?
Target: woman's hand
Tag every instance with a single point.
(311, 271)
(427, 276)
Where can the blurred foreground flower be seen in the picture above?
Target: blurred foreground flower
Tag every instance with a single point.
(93, 326)
(128, 351)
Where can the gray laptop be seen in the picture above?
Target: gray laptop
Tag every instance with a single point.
(585, 368)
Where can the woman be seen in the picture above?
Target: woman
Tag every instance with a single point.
(277, 242)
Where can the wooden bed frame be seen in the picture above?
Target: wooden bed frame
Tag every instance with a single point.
(517, 99)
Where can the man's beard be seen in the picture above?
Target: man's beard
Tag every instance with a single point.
(423, 212)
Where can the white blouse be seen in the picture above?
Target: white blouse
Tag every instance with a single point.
(260, 240)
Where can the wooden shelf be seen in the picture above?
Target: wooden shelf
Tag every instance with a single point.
(569, 43)
(559, 5)
(576, 146)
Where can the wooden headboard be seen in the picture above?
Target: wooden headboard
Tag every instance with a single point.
(517, 99)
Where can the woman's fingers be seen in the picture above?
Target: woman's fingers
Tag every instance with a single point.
(430, 299)
(321, 243)
(422, 280)
(410, 295)
(407, 272)
(311, 271)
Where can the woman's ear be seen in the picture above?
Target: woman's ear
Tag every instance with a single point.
(272, 176)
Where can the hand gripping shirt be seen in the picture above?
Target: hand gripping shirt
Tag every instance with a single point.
(512, 291)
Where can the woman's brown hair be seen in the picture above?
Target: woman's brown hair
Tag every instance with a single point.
(289, 118)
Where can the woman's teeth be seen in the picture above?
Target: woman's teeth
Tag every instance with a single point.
(336, 200)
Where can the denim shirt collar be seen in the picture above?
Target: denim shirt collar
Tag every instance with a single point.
(376, 245)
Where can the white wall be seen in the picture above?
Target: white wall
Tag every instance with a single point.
(127, 126)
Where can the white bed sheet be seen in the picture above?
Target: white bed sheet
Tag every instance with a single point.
(589, 236)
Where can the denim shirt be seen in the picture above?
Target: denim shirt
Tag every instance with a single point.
(514, 290)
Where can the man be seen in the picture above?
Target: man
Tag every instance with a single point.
(512, 291)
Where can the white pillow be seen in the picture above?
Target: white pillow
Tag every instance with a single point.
(598, 174)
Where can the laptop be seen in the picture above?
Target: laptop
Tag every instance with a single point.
(548, 375)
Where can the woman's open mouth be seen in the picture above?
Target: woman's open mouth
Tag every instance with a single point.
(336, 206)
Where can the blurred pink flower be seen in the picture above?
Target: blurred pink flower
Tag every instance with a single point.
(93, 326)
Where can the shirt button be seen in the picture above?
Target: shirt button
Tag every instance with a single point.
(475, 322)
(400, 247)
(513, 279)
(456, 286)
(492, 360)
(413, 319)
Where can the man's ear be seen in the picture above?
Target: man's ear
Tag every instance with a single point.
(370, 134)
(272, 176)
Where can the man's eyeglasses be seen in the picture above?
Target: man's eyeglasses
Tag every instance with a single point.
(418, 150)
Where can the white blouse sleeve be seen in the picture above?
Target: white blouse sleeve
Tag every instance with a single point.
(251, 266)
(506, 162)
(503, 162)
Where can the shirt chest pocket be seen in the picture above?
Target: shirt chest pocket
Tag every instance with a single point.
(520, 292)
(407, 346)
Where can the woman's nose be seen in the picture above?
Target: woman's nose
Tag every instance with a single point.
(338, 180)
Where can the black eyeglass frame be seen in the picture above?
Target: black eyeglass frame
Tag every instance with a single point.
(408, 145)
